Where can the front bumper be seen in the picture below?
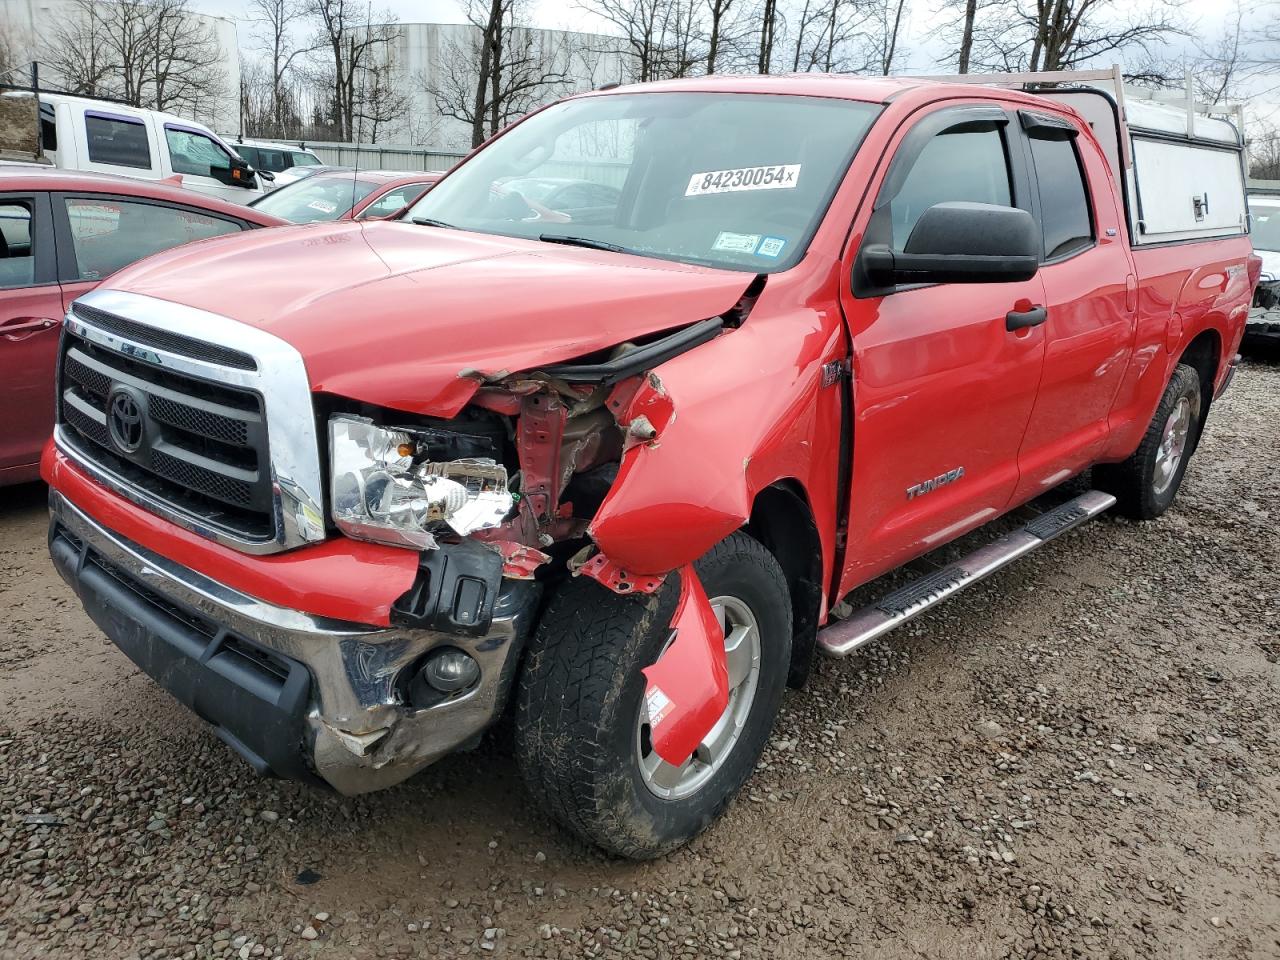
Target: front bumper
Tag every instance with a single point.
(299, 696)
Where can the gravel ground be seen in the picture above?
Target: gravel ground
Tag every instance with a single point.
(1079, 758)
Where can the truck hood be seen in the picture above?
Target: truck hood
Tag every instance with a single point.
(409, 317)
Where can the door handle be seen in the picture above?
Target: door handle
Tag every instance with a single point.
(25, 325)
(1022, 319)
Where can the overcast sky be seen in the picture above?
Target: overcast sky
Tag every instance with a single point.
(1206, 19)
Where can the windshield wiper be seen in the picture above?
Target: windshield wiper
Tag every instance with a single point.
(586, 242)
(428, 222)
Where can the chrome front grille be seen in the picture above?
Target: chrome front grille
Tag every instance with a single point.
(203, 445)
(170, 406)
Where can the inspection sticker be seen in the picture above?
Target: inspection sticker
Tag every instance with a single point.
(324, 206)
(777, 177)
(736, 242)
(771, 247)
(658, 704)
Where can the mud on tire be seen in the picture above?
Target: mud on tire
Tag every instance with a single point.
(580, 692)
(1141, 490)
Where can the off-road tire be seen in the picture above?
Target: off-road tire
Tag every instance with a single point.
(1133, 481)
(580, 693)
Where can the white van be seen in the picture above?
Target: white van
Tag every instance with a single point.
(79, 133)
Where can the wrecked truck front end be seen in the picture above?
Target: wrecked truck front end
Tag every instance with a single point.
(342, 590)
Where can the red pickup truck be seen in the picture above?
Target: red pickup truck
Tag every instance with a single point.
(353, 492)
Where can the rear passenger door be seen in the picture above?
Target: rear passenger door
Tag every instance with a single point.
(119, 144)
(1090, 295)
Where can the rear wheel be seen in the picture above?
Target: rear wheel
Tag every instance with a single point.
(582, 730)
(1145, 484)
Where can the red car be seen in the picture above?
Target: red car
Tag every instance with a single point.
(60, 235)
(346, 195)
(354, 492)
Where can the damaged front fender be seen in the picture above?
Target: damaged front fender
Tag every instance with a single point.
(687, 688)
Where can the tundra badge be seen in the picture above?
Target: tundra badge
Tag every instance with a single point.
(928, 486)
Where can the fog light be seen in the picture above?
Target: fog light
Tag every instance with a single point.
(450, 671)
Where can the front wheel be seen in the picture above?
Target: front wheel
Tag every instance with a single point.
(582, 735)
(1144, 485)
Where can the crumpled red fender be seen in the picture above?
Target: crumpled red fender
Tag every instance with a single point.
(688, 686)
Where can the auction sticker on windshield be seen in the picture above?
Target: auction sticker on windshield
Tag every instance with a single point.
(778, 177)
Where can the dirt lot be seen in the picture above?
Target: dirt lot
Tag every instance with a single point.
(1080, 758)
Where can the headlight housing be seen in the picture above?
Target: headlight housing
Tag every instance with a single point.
(383, 488)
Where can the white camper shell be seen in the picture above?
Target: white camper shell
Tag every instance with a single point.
(1180, 163)
(81, 133)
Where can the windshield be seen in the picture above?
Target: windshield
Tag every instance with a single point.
(737, 181)
(305, 160)
(315, 198)
(1265, 227)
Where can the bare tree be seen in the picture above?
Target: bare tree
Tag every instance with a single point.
(150, 53)
(661, 38)
(885, 22)
(718, 14)
(355, 44)
(769, 17)
(1264, 154)
(381, 98)
(14, 55)
(500, 68)
(828, 36)
(1064, 34)
(277, 23)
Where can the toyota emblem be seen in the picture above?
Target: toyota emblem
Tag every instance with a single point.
(124, 421)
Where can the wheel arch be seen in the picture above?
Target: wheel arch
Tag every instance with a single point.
(1204, 355)
(782, 520)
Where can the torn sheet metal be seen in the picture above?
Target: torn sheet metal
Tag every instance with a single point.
(687, 688)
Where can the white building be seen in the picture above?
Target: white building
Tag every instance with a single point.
(31, 23)
(427, 58)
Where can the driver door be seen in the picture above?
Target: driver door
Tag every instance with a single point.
(207, 167)
(942, 390)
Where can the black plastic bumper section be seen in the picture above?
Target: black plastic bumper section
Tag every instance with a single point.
(255, 699)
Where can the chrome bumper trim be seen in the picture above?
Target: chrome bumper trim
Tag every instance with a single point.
(364, 737)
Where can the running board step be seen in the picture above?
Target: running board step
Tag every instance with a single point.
(842, 638)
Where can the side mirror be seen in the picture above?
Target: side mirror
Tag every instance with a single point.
(267, 175)
(241, 174)
(961, 242)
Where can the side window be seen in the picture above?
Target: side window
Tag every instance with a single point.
(119, 142)
(1064, 205)
(108, 234)
(48, 128)
(271, 160)
(248, 154)
(966, 165)
(17, 253)
(195, 154)
(390, 202)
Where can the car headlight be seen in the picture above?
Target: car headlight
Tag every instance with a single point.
(385, 489)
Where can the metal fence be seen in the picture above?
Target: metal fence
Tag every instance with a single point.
(373, 157)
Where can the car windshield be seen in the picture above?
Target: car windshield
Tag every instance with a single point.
(305, 160)
(315, 198)
(1265, 226)
(738, 181)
